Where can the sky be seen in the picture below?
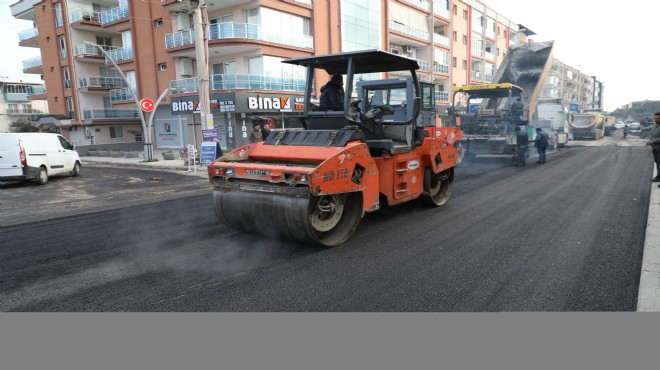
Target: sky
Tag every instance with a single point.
(618, 42)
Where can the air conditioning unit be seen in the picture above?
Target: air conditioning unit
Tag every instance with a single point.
(395, 51)
(407, 48)
(184, 67)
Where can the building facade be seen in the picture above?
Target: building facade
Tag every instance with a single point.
(21, 100)
(78, 42)
(576, 89)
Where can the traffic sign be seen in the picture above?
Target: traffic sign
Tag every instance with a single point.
(147, 105)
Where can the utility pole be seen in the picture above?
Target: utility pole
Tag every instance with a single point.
(201, 23)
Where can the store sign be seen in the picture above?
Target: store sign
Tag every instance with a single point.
(220, 103)
(260, 103)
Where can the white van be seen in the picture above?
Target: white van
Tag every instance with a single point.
(36, 156)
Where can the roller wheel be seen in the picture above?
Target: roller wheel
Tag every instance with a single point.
(439, 187)
(328, 220)
(334, 218)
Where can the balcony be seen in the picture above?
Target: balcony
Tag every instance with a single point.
(441, 39)
(92, 83)
(424, 65)
(441, 68)
(119, 55)
(121, 95)
(440, 11)
(489, 56)
(476, 75)
(178, 39)
(442, 95)
(23, 112)
(38, 93)
(114, 15)
(239, 82)
(256, 32)
(82, 15)
(410, 31)
(10, 97)
(477, 52)
(32, 65)
(29, 38)
(488, 78)
(88, 51)
(24, 9)
(423, 4)
(110, 114)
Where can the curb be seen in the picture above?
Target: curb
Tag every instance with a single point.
(648, 299)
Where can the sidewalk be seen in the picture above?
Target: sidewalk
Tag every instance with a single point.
(161, 164)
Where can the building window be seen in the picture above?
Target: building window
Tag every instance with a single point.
(455, 10)
(58, 15)
(464, 39)
(115, 132)
(162, 67)
(66, 78)
(158, 22)
(12, 108)
(62, 44)
(455, 36)
(69, 106)
(453, 62)
(464, 64)
(464, 14)
(360, 24)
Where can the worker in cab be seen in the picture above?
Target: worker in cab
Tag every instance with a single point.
(517, 110)
(332, 94)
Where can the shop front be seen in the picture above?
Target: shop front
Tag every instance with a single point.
(236, 114)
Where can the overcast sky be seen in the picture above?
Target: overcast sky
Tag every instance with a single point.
(618, 42)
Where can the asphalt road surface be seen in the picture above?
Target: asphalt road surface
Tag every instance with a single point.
(564, 236)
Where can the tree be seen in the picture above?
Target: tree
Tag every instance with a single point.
(23, 125)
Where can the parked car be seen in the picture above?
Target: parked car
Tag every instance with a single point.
(632, 125)
(36, 156)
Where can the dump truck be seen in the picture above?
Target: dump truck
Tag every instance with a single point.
(587, 125)
(314, 185)
(555, 119)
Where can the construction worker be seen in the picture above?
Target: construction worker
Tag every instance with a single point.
(256, 137)
(517, 110)
(541, 144)
(654, 142)
(522, 142)
(332, 94)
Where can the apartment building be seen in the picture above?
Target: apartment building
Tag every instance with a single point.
(574, 87)
(455, 42)
(20, 100)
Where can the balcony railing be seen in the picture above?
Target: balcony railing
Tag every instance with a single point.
(24, 111)
(424, 65)
(489, 56)
(424, 4)
(181, 38)
(257, 32)
(28, 34)
(37, 90)
(476, 75)
(239, 81)
(410, 31)
(84, 15)
(441, 68)
(488, 78)
(439, 10)
(102, 82)
(110, 113)
(32, 62)
(440, 39)
(476, 52)
(442, 95)
(87, 50)
(490, 33)
(119, 54)
(121, 95)
(239, 30)
(114, 15)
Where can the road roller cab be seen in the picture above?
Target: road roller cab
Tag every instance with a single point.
(315, 184)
